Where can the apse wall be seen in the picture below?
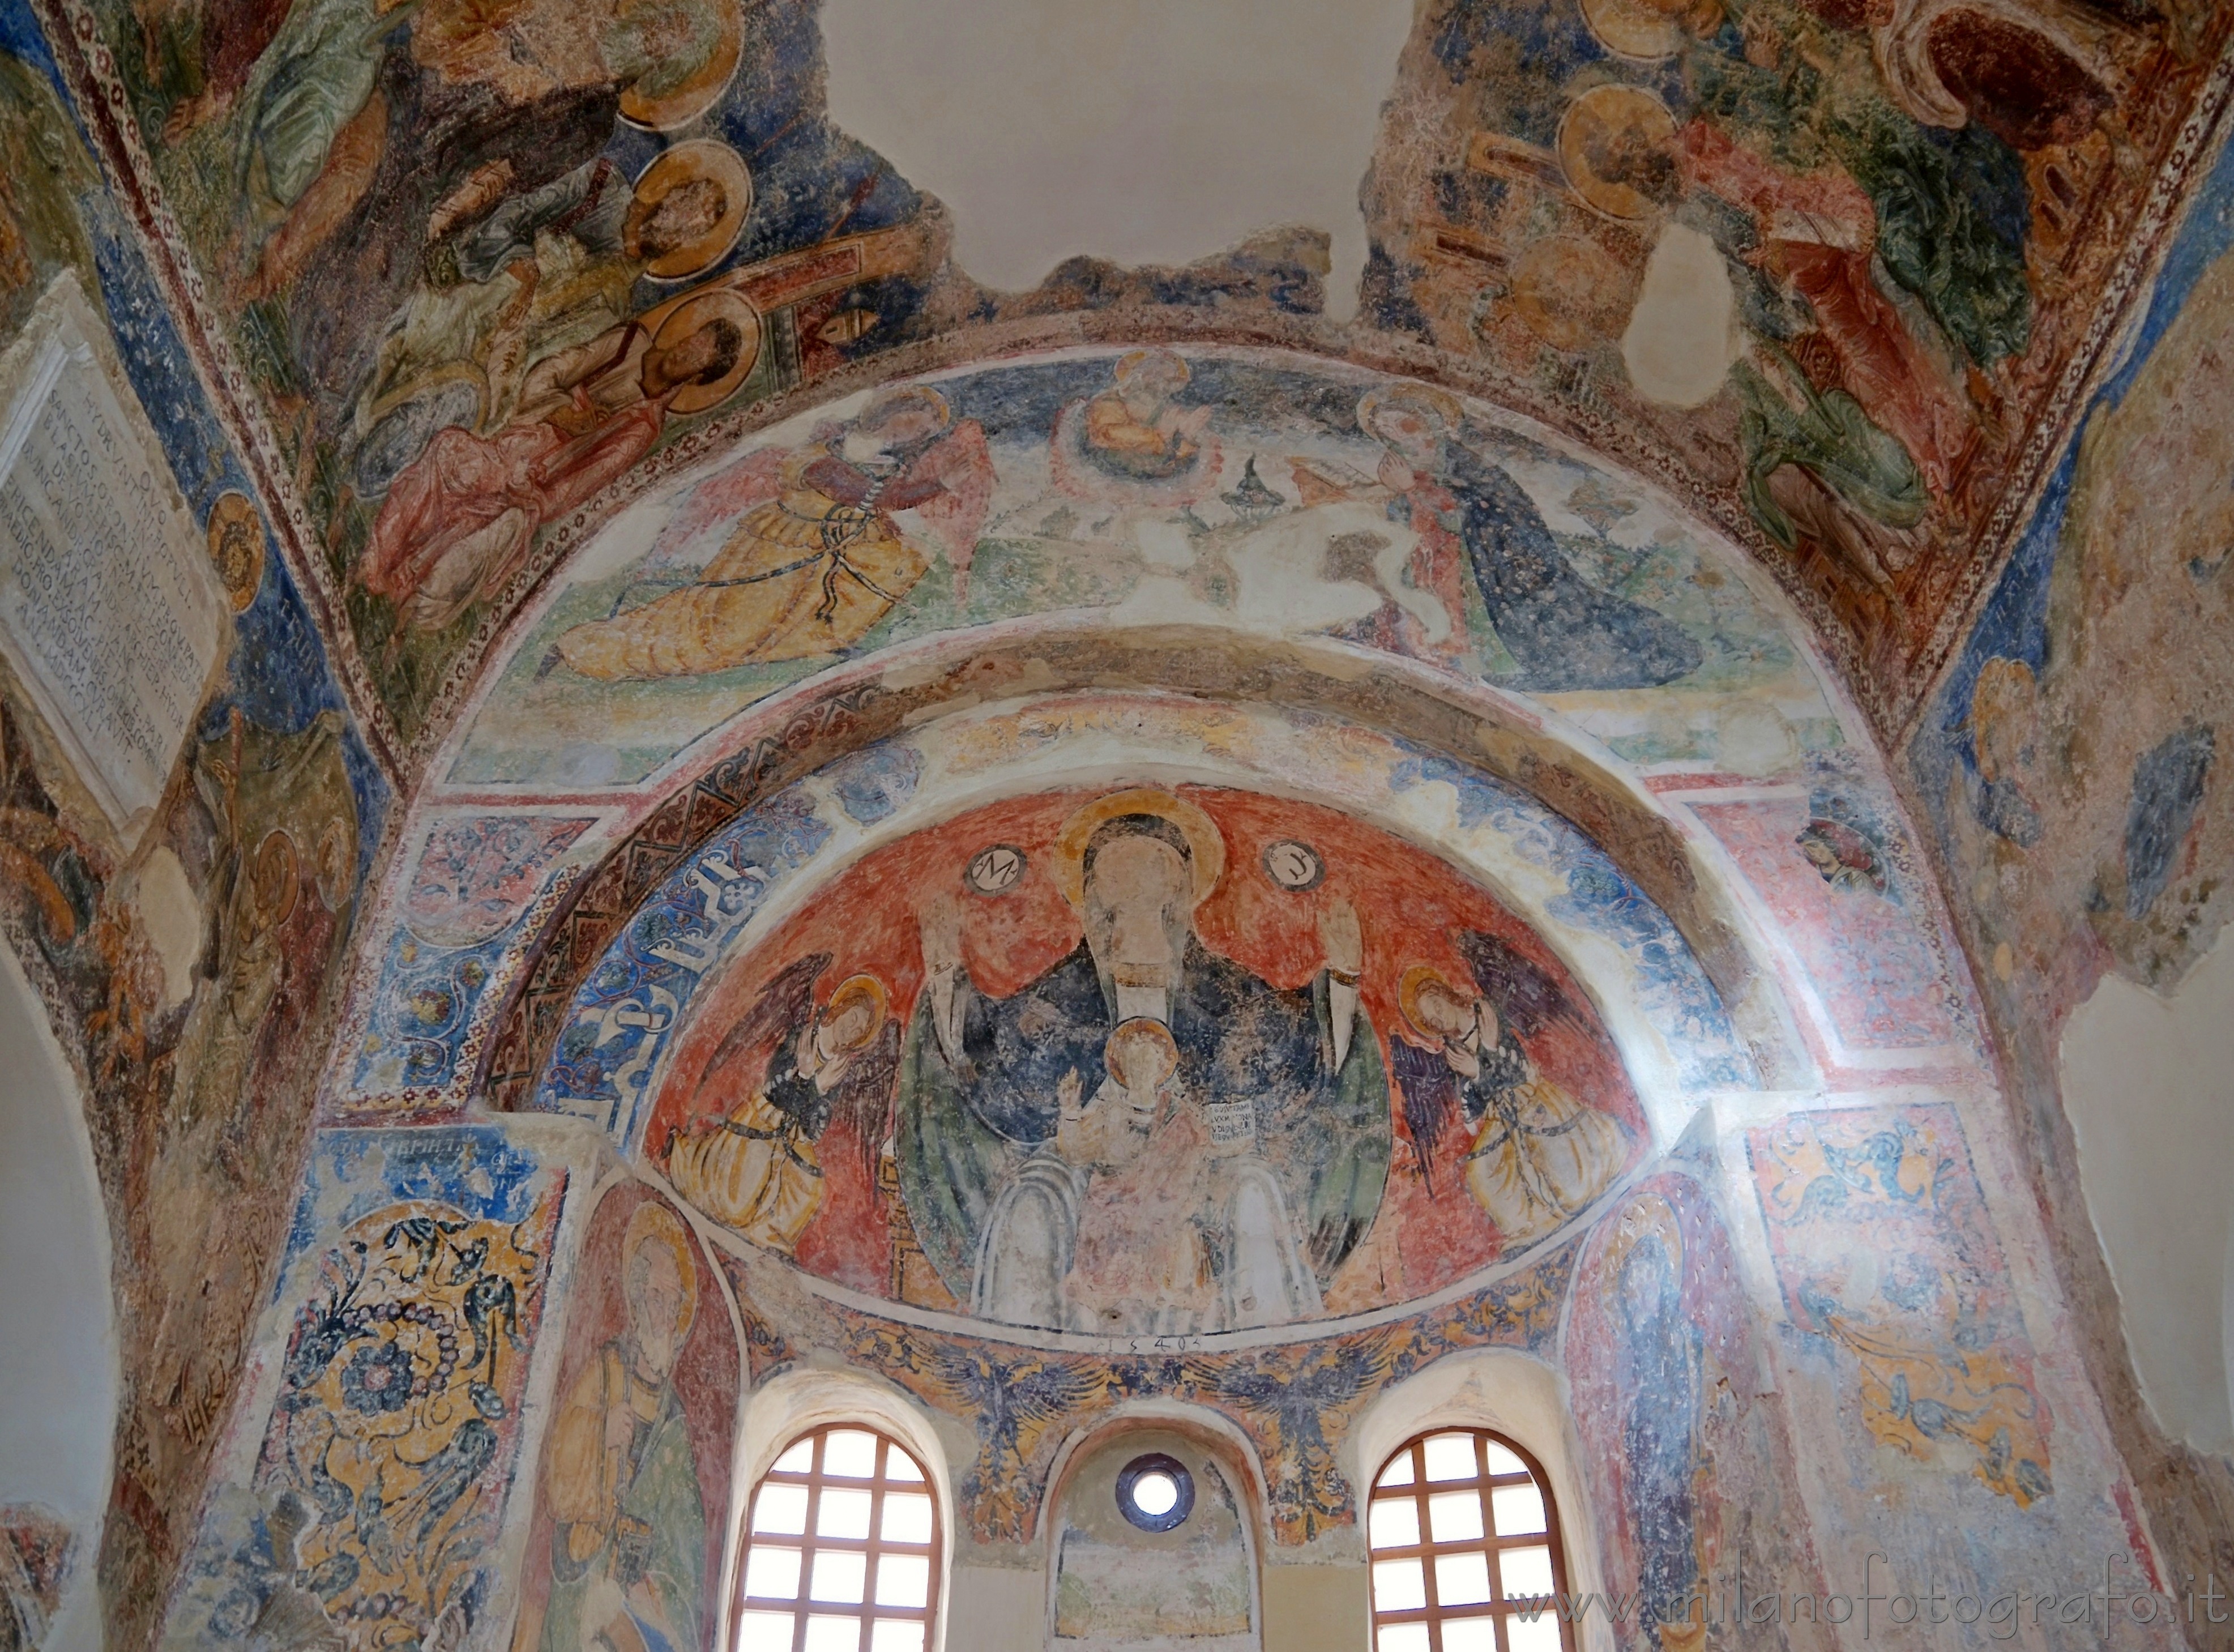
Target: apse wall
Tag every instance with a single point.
(659, 699)
(813, 980)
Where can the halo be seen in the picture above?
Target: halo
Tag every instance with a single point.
(859, 989)
(1141, 1026)
(687, 316)
(686, 101)
(884, 403)
(1206, 845)
(1610, 110)
(1411, 985)
(1569, 291)
(242, 577)
(1647, 1215)
(1630, 30)
(652, 1223)
(1439, 406)
(1133, 360)
(701, 158)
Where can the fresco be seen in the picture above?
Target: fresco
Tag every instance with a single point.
(1295, 1400)
(2078, 818)
(1146, 1063)
(1831, 264)
(2072, 764)
(1828, 260)
(1883, 1246)
(634, 1483)
(632, 919)
(1150, 487)
(362, 1509)
(1828, 855)
(476, 268)
(187, 977)
(37, 1558)
(1941, 1393)
(1694, 1470)
(599, 1009)
(1119, 1587)
(477, 883)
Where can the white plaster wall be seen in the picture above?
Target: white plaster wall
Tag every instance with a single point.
(58, 1364)
(2148, 1082)
(1511, 1394)
(1144, 131)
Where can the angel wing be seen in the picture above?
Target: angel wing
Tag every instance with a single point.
(862, 1100)
(726, 495)
(962, 463)
(784, 1003)
(1527, 998)
(1430, 1090)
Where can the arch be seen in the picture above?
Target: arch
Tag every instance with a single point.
(1460, 734)
(1449, 1497)
(1452, 807)
(1508, 1393)
(58, 1347)
(843, 1498)
(796, 1403)
(1166, 1428)
(1215, 1431)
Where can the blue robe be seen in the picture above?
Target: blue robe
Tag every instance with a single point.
(1564, 633)
(1325, 1132)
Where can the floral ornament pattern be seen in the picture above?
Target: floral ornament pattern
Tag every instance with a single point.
(394, 1427)
(1297, 1401)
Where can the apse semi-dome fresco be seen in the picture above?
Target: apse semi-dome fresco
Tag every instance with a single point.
(1445, 880)
(1146, 1063)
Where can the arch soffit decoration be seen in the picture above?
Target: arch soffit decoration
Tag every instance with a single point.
(1494, 833)
(1030, 666)
(1520, 739)
(1470, 730)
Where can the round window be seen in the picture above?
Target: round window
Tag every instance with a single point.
(1155, 1491)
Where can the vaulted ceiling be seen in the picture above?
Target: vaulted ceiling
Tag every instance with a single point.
(1833, 275)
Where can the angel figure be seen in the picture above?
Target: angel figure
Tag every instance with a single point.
(1135, 445)
(819, 557)
(757, 1170)
(1538, 1154)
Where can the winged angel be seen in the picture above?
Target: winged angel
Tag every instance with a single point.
(819, 557)
(1538, 1154)
(758, 1169)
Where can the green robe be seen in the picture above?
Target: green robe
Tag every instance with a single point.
(1832, 438)
(657, 1543)
(1326, 1132)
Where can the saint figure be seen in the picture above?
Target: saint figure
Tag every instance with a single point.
(628, 1540)
(1539, 1156)
(811, 569)
(757, 1170)
(1283, 1088)
(1563, 633)
(459, 518)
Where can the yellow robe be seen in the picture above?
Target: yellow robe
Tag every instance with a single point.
(756, 1175)
(1554, 1158)
(803, 575)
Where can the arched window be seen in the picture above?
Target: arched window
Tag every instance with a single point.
(1466, 1549)
(841, 1549)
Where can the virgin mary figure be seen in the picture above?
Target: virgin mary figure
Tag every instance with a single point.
(1285, 1086)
